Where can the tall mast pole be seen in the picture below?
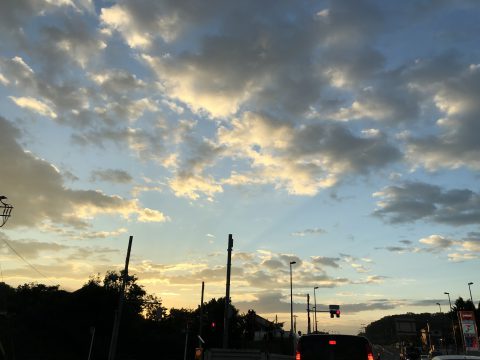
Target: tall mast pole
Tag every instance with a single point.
(226, 313)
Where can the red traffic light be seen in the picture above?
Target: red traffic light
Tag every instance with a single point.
(213, 324)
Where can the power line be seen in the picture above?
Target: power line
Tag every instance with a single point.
(25, 260)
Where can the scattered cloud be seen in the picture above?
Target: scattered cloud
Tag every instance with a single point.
(37, 189)
(307, 232)
(326, 261)
(112, 176)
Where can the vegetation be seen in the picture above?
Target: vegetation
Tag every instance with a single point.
(45, 322)
(383, 331)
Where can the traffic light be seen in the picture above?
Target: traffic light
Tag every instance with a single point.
(334, 310)
(198, 353)
(213, 325)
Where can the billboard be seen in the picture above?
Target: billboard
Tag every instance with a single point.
(469, 330)
(405, 327)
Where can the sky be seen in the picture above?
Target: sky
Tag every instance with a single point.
(342, 135)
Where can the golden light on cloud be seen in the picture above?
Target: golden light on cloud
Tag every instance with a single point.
(191, 186)
(117, 18)
(34, 105)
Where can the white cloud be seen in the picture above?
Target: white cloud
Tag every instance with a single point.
(34, 105)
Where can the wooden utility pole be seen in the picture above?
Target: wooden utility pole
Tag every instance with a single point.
(226, 313)
(118, 313)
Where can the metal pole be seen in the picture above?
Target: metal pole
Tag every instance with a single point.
(92, 331)
(309, 328)
(226, 313)
(315, 313)
(186, 343)
(291, 307)
(118, 313)
(200, 345)
(453, 324)
(439, 306)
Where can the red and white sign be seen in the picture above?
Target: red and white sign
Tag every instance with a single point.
(469, 330)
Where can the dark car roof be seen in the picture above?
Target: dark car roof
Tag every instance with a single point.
(327, 337)
(333, 347)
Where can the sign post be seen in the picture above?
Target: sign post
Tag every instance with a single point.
(469, 330)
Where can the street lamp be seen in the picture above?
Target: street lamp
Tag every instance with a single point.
(451, 317)
(439, 306)
(5, 210)
(291, 308)
(471, 283)
(315, 313)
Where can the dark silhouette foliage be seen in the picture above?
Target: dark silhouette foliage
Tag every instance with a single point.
(44, 322)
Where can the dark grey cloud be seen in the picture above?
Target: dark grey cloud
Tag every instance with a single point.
(273, 264)
(414, 201)
(456, 97)
(29, 249)
(112, 176)
(276, 302)
(356, 154)
(262, 279)
(266, 302)
(326, 261)
(142, 142)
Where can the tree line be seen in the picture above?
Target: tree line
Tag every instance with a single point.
(44, 322)
(383, 331)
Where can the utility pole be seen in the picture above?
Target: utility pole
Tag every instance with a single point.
(309, 328)
(186, 339)
(200, 344)
(226, 313)
(118, 314)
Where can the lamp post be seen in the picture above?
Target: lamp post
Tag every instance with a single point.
(439, 306)
(470, 290)
(291, 306)
(451, 317)
(315, 304)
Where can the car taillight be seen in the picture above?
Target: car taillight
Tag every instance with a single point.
(298, 356)
(369, 352)
(332, 342)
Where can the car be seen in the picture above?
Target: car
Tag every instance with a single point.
(333, 347)
(456, 357)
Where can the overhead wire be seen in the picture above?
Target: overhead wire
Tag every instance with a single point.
(25, 260)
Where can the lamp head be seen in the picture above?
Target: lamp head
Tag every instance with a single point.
(470, 283)
(292, 262)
